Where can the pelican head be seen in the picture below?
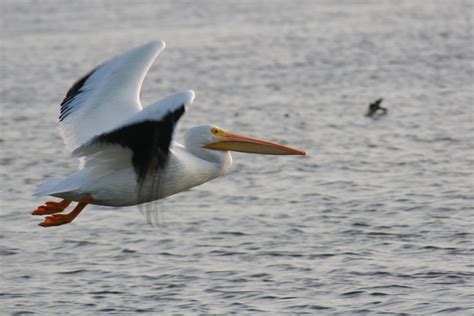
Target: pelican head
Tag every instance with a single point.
(213, 138)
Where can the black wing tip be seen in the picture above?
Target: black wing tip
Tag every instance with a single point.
(75, 90)
(162, 136)
(149, 140)
(175, 115)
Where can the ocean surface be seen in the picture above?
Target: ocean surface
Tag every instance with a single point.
(378, 219)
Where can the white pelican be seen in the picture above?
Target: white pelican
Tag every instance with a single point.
(126, 152)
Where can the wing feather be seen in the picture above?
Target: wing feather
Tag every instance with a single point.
(148, 134)
(106, 96)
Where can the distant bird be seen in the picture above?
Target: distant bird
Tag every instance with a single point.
(374, 107)
(126, 152)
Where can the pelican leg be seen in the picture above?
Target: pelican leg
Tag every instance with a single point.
(51, 207)
(61, 219)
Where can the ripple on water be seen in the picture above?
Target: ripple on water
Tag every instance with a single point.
(376, 220)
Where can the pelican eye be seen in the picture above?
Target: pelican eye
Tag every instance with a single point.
(218, 132)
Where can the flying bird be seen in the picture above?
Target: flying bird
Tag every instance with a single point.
(375, 107)
(127, 154)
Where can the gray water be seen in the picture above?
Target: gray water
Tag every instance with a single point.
(377, 220)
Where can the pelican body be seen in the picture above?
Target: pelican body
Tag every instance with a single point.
(126, 152)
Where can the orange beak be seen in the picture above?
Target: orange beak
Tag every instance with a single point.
(245, 144)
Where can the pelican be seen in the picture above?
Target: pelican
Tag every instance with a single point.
(126, 153)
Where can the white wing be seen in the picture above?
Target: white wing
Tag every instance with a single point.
(106, 96)
(147, 135)
(156, 123)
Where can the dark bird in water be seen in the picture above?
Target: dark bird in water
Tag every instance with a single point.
(374, 107)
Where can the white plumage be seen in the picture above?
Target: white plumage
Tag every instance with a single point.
(109, 96)
(127, 153)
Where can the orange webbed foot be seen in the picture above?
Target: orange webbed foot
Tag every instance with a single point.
(56, 220)
(60, 219)
(51, 208)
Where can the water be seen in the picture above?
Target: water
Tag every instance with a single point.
(378, 219)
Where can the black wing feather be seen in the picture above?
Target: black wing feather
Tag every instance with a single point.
(76, 89)
(149, 141)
